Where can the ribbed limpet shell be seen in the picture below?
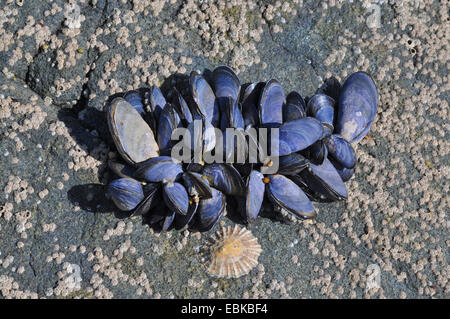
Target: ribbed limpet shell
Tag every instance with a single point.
(233, 252)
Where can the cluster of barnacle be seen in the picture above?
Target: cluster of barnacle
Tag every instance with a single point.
(313, 148)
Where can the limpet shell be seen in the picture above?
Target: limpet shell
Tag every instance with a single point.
(233, 252)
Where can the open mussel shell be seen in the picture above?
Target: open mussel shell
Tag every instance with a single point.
(169, 120)
(148, 115)
(182, 108)
(270, 104)
(254, 146)
(156, 214)
(250, 99)
(157, 101)
(126, 193)
(250, 92)
(202, 136)
(209, 137)
(210, 211)
(330, 87)
(325, 180)
(232, 115)
(244, 169)
(205, 100)
(225, 178)
(176, 197)
(316, 153)
(160, 218)
(294, 108)
(132, 136)
(167, 222)
(321, 107)
(159, 169)
(151, 191)
(292, 164)
(357, 107)
(327, 130)
(341, 151)
(234, 141)
(120, 169)
(197, 185)
(181, 221)
(286, 194)
(234, 145)
(297, 135)
(135, 99)
(292, 112)
(194, 141)
(295, 98)
(194, 167)
(226, 85)
(270, 210)
(255, 195)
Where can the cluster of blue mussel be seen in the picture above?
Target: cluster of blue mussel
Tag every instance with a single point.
(315, 152)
